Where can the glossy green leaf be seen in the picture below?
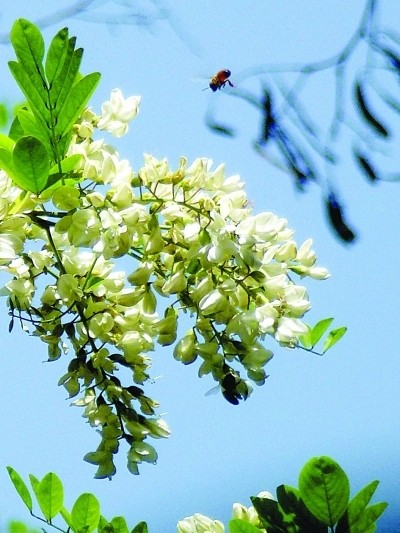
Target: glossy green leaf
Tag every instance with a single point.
(85, 513)
(28, 45)
(20, 487)
(66, 516)
(34, 483)
(305, 339)
(76, 102)
(334, 336)
(270, 513)
(30, 126)
(68, 76)
(141, 527)
(369, 517)
(325, 489)
(56, 55)
(50, 495)
(291, 503)
(32, 93)
(103, 524)
(119, 524)
(359, 518)
(6, 162)
(68, 164)
(241, 526)
(6, 142)
(31, 164)
(319, 329)
(4, 115)
(360, 501)
(16, 130)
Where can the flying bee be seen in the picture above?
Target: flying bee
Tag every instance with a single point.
(220, 80)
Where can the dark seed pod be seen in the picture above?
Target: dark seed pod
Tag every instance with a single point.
(335, 215)
(367, 114)
(268, 122)
(366, 166)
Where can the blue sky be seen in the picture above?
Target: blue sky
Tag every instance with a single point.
(344, 404)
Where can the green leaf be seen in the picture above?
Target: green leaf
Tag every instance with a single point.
(369, 517)
(325, 489)
(334, 336)
(119, 524)
(76, 102)
(28, 45)
(20, 487)
(291, 503)
(270, 513)
(305, 339)
(6, 162)
(103, 524)
(358, 517)
(32, 127)
(4, 114)
(34, 483)
(16, 130)
(241, 526)
(66, 516)
(319, 329)
(50, 495)
(6, 142)
(31, 164)
(141, 527)
(56, 55)
(360, 501)
(68, 164)
(68, 75)
(17, 527)
(85, 513)
(32, 93)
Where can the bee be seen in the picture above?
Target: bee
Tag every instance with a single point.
(220, 80)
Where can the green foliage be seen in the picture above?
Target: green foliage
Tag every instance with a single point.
(4, 115)
(315, 334)
(56, 95)
(50, 495)
(241, 526)
(359, 518)
(20, 487)
(321, 502)
(325, 489)
(16, 526)
(85, 513)
(84, 517)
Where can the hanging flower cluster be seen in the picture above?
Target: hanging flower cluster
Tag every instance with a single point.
(187, 234)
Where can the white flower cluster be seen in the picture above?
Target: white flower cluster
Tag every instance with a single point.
(189, 233)
(199, 523)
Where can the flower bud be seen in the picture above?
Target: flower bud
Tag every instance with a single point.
(176, 283)
(212, 303)
(184, 349)
(156, 243)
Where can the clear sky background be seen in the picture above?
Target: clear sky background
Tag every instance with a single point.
(344, 404)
